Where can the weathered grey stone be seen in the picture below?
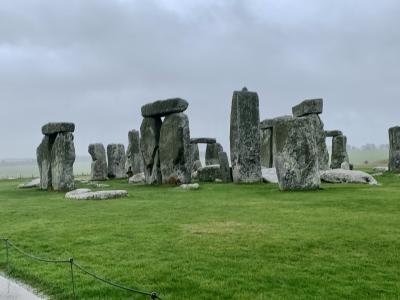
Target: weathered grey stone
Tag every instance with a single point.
(62, 162)
(194, 156)
(394, 149)
(347, 176)
(345, 166)
(134, 159)
(380, 169)
(319, 133)
(307, 107)
(339, 152)
(34, 183)
(137, 179)
(333, 133)
(191, 186)
(99, 162)
(209, 173)
(43, 155)
(266, 148)
(245, 137)
(87, 194)
(196, 165)
(53, 128)
(116, 161)
(226, 172)
(203, 140)
(212, 151)
(166, 107)
(296, 156)
(175, 156)
(270, 123)
(269, 175)
(149, 146)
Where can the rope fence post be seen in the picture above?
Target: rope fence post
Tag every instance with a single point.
(71, 262)
(7, 256)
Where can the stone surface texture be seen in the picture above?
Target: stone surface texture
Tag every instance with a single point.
(266, 148)
(203, 140)
(43, 155)
(134, 159)
(269, 175)
(320, 139)
(149, 146)
(116, 161)
(87, 194)
(212, 151)
(307, 107)
(339, 151)
(209, 173)
(245, 137)
(296, 157)
(34, 183)
(194, 156)
(137, 178)
(99, 162)
(333, 133)
(166, 107)
(347, 176)
(225, 169)
(175, 156)
(394, 149)
(54, 128)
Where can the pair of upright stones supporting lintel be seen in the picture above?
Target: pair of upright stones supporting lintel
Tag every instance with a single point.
(165, 145)
(56, 157)
(212, 150)
(115, 168)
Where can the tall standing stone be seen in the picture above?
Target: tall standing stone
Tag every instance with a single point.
(194, 156)
(149, 146)
(99, 162)
(339, 151)
(296, 156)
(134, 160)
(245, 137)
(266, 155)
(212, 151)
(62, 162)
(226, 173)
(116, 161)
(174, 145)
(394, 149)
(56, 157)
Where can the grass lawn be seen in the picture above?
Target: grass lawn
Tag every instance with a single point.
(223, 241)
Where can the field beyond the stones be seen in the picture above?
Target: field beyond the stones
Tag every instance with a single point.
(223, 241)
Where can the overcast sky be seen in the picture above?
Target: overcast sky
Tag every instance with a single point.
(95, 63)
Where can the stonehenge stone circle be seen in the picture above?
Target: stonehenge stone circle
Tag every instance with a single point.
(56, 157)
(245, 137)
(149, 146)
(99, 162)
(307, 107)
(296, 155)
(212, 151)
(116, 161)
(209, 173)
(203, 140)
(175, 156)
(225, 169)
(166, 107)
(394, 149)
(134, 160)
(339, 151)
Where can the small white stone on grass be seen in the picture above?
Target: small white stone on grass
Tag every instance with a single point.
(192, 186)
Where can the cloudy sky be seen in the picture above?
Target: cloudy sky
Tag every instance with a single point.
(96, 62)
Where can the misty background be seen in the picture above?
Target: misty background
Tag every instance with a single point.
(96, 62)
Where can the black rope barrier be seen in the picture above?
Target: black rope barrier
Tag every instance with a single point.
(72, 263)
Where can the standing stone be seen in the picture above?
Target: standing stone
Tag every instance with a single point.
(134, 160)
(226, 173)
(62, 162)
(319, 133)
(99, 162)
(175, 156)
(149, 146)
(296, 156)
(116, 161)
(194, 156)
(245, 137)
(394, 149)
(266, 155)
(212, 151)
(43, 155)
(339, 151)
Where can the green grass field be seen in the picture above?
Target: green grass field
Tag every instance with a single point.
(223, 241)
